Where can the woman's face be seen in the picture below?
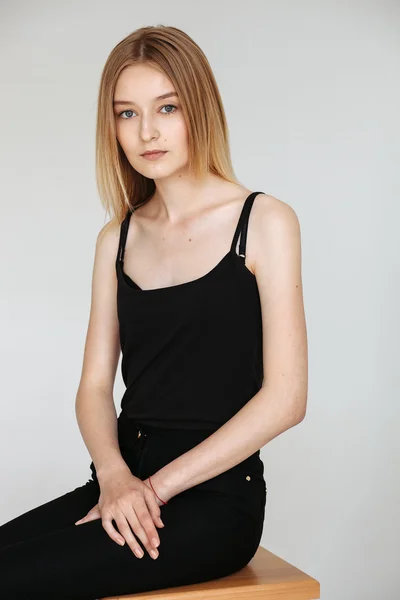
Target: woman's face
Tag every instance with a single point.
(145, 123)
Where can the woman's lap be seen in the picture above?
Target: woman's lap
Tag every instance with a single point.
(50, 516)
(43, 554)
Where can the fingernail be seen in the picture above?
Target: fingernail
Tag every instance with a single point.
(155, 542)
(154, 554)
(121, 542)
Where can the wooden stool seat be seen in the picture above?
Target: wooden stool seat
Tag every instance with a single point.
(266, 577)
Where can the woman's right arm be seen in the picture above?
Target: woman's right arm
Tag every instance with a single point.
(94, 406)
(124, 498)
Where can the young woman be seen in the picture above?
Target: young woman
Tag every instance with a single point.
(197, 280)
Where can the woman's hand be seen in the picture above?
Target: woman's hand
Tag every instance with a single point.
(133, 505)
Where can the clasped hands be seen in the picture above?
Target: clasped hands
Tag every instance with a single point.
(135, 508)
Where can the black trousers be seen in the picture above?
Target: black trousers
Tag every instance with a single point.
(211, 530)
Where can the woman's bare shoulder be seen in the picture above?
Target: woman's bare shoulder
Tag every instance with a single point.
(109, 232)
(108, 239)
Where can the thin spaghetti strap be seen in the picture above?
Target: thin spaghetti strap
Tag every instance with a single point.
(242, 226)
(123, 235)
(124, 232)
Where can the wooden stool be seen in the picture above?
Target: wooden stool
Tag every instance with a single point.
(266, 577)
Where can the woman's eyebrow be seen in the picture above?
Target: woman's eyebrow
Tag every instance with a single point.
(162, 97)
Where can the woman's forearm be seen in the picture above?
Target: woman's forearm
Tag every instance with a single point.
(261, 419)
(97, 421)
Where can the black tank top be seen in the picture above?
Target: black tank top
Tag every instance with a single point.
(191, 352)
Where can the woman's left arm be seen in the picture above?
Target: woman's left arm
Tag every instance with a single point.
(281, 402)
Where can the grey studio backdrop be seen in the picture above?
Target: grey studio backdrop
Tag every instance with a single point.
(311, 92)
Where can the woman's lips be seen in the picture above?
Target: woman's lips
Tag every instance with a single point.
(154, 155)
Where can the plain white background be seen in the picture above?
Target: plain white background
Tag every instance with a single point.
(312, 95)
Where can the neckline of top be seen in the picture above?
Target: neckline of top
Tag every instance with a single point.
(130, 284)
(133, 286)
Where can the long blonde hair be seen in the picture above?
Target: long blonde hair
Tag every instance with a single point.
(175, 54)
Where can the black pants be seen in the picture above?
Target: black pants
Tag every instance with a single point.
(211, 530)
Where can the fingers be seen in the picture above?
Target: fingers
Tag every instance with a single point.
(94, 513)
(135, 511)
(128, 522)
(147, 531)
(112, 532)
(139, 522)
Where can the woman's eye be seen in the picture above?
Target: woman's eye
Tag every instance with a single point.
(124, 111)
(169, 112)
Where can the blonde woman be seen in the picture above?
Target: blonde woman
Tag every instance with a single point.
(197, 280)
